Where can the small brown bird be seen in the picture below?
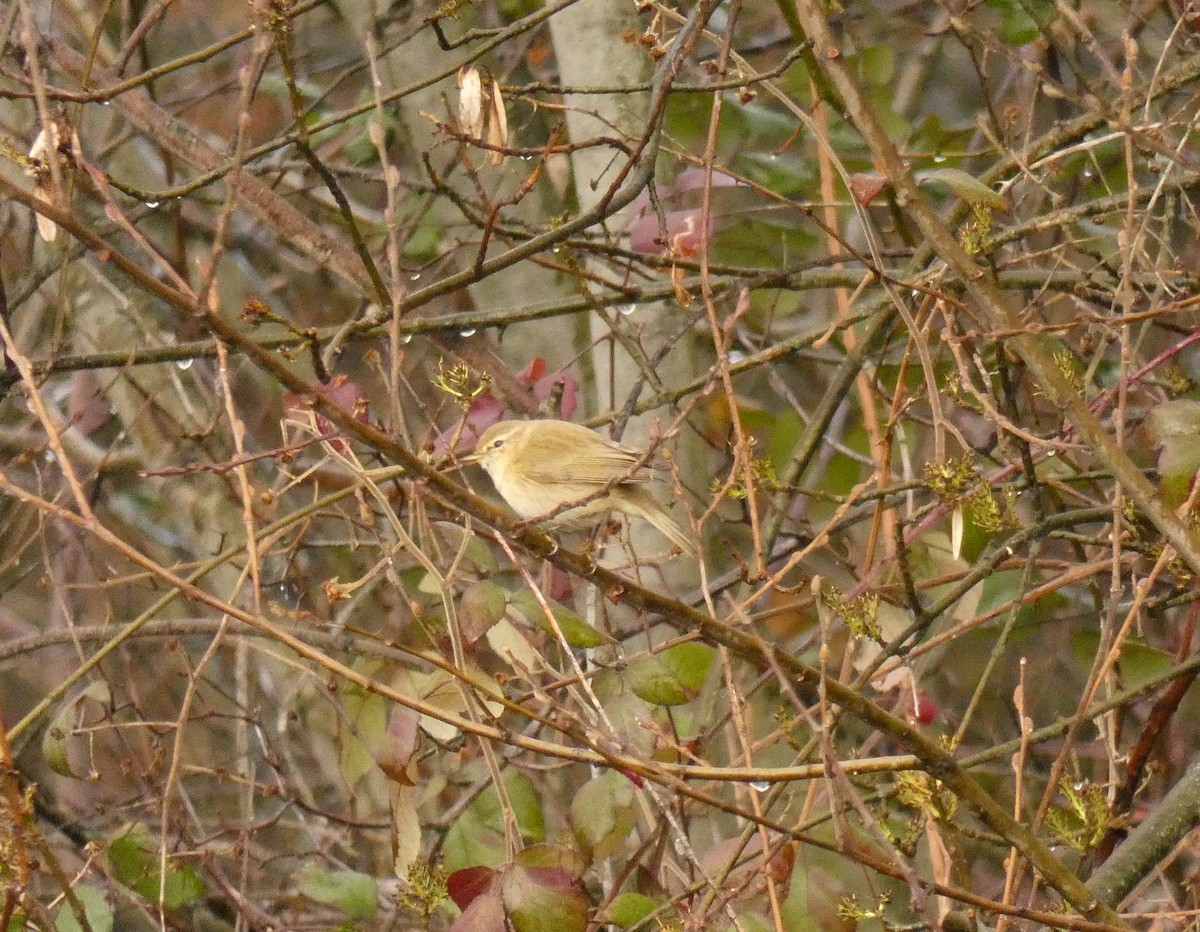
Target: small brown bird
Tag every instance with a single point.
(539, 466)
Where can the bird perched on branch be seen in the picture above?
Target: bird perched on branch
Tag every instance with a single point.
(540, 466)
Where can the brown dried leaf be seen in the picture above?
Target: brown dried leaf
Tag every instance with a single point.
(866, 187)
(470, 101)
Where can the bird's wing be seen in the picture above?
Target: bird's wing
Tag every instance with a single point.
(594, 467)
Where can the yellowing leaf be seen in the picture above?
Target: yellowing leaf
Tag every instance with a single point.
(968, 187)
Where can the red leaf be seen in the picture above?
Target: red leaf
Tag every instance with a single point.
(486, 914)
(866, 187)
(348, 396)
(683, 233)
(534, 371)
(399, 744)
(633, 778)
(691, 178)
(925, 710)
(466, 884)
(563, 385)
(341, 391)
(561, 589)
(485, 409)
(87, 406)
(683, 222)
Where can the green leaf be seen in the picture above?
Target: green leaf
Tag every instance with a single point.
(1139, 662)
(482, 604)
(134, 860)
(95, 908)
(672, 677)
(933, 136)
(813, 899)
(558, 857)
(361, 150)
(422, 246)
(444, 691)
(477, 836)
(1017, 27)
(627, 712)
(368, 716)
(577, 631)
(602, 814)
(652, 682)
(353, 893)
(511, 643)
(784, 436)
(688, 663)
(1174, 428)
(631, 907)
(55, 738)
(876, 65)
(968, 187)
(518, 9)
(471, 842)
(54, 745)
(526, 804)
(542, 891)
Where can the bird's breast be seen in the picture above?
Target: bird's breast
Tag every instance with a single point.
(531, 499)
(528, 499)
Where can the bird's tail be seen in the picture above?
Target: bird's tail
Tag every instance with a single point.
(649, 509)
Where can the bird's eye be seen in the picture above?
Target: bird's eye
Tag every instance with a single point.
(497, 444)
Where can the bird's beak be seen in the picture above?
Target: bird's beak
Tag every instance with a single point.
(469, 460)
(452, 462)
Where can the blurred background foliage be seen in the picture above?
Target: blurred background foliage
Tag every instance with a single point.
(269, 267)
